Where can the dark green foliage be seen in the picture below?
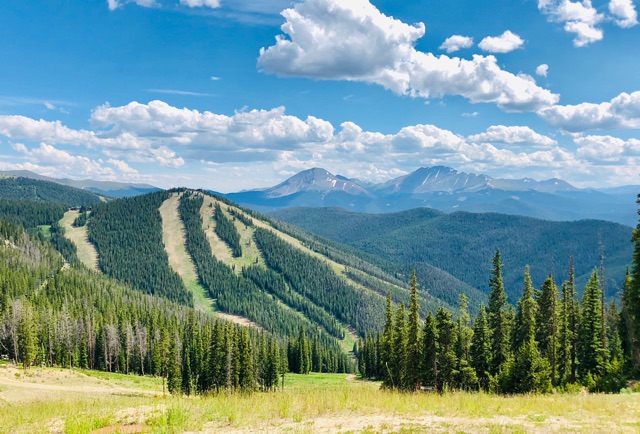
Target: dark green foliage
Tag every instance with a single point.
(429, 363)
(481, 349)
(127, 234)
(76, 318)
(44, 191)
(246, 220)
(31, 214)
(314, 279)
(591, 351)
(497, 317)
(276, 285)
(460, 243)
(249, 294)
(227, 231)
(66, 248)
(413, 350)
(547, 325)
(632, 297)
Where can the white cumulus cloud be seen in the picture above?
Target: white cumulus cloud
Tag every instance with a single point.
(115, 4)
(624, 13)
(513, 135)
(579, 17)
(622, 112)
(456, 42)
(504, 43)
(334, 40)
(213, 4)
(542, 70)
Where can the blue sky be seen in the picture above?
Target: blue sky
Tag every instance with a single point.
(237, 94)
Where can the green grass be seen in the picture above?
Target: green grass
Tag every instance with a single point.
(45, 230)
(321, 402)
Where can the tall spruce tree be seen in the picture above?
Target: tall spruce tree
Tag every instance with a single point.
(412, 360)
(564, 337)
(465, 376)
(633, 293)
(498, 316)
(429, 364)
(399, 353)
(446, 329)
(547, 320)
(386, 348)
(481, 348)
(591, 351)
(529, 372)
(630, 347)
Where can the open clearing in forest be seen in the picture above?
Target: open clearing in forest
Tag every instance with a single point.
(173, 237)
(87, 253)
(65, 401)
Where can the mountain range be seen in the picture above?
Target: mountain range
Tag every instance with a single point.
(102, 188)
(447, 190)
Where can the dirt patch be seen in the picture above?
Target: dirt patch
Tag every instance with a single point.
(36, 384)
(237, 320)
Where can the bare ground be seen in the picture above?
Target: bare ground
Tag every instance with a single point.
(17, 385)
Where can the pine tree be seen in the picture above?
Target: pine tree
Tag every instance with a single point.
(481, 348)
(446, 329)
(399, 350)
(464, 376)
(591, 352)
(564, 337)
(633, 294)
(629, 346)
(529, 372)
(547, 320)
(413, 339)
(174, 376)
(498, 322)
(527, 312)
(27, 335)
(429, 364)
(387, 345)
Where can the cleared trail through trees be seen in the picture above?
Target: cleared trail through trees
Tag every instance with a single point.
(173, 237)
(87, 253)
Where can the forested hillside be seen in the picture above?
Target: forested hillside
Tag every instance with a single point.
(461, 244)
(44, 191)
(127, 234)
(72, 317)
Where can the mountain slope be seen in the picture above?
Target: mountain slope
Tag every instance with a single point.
(44, 191)
(463, 244)
(102, 188)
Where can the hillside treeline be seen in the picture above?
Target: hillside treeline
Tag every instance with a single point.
(550, 340)
(34, 190)
(127, 234)
(315, 280)
(76, 318)
(251, 294)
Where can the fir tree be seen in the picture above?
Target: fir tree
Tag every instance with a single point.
(429, 364)
(632, 294)
(387, 345)
(413, 339)
(446, 329)
(399, 350)
(481, 348)
(591, 352)
(497, 312)
(547, 320)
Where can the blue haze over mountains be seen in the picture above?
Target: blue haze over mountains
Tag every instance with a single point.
(448, 190)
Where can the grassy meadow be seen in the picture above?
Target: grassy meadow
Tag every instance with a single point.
(65, 401)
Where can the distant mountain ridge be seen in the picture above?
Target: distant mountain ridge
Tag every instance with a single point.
(446, 189)
(103, 188)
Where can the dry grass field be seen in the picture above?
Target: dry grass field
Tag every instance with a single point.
(65, 401)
